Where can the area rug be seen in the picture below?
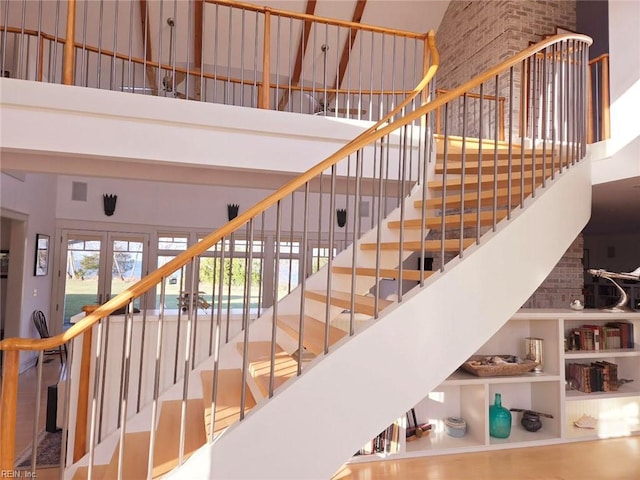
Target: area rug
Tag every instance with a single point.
(48, 451)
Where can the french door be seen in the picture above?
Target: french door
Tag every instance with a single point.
(95, 266)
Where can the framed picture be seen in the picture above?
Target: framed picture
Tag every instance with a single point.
(4, 263)
(41, 266)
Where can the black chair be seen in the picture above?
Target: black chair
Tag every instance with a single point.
(40, 322)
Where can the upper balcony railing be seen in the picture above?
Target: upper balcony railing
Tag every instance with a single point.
(216, 51)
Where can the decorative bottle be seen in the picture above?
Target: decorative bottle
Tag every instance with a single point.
(499, 419)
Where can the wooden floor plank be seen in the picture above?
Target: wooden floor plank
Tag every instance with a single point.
(167, 440)
(227, 404)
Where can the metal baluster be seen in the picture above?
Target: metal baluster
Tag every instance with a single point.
(142, 352)
(245, 342)
(319, 223)
(99, 55)
(189, 341)
(105, 357)
(371, 78)
(21, 44)
(545, 127)
(5, 38)
(94, 399)
(156, 378)
(277, 90)
(480, 132)
(332, 228)
(276, 284)
(291, 242)
(444, 185)
(463, 173)
(510, 147)
(125, 387)
(215, 59)
(496, 136)
(216, 354)
(39, 38)
(231, 255)
(554, 100)
(354, 250)
(262, 250)
(34, 439)
(303, 283)
(228, 80)
(66, 407)
(242, 23)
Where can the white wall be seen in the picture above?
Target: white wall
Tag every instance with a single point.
(622, 157)
(31, 199)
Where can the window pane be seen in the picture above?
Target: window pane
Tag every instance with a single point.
(172, 285)
(173, 243)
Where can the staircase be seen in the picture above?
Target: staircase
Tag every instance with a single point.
(494, 281)
(308, 381)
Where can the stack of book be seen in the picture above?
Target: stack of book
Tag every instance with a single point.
(600, 376)
(387, 441)
(613, 335)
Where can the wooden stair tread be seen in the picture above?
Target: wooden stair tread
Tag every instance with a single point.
(362, 303)
(384, 272)
(455, 142)
(471, 198)
(167, 439)
(314, 331)
(488, 156)
(228, 398)
(258, 350)
(471, 181)
(472, 167)
(98, 471)
(450, 245)
(470, 219)
(136, 457)
(285, 367)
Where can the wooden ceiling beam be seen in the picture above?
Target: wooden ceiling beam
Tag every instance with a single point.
(302, 48)
(358, 11)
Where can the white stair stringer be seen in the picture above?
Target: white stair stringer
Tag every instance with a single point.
(314, 424)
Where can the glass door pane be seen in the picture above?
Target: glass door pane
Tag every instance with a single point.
(83, 283)
(125, 260)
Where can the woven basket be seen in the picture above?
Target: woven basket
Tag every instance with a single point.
(497, 369)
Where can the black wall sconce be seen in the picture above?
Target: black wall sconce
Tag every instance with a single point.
(232, 210)
(109, 204)
(341, 216)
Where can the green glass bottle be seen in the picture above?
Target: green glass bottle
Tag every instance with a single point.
(499, 419)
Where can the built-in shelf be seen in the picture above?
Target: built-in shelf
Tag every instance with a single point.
(468, 396)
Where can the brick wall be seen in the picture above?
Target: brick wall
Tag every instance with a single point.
(477, 35)
(564, 283)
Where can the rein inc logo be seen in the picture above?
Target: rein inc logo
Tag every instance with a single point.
(18, 474)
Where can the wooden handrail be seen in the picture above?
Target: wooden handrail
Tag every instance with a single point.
(377, 131)
(317, 19)
(151, 280)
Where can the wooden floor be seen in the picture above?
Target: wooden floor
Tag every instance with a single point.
(612, 459)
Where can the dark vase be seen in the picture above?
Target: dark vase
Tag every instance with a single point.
(531, 421)
(499, 419)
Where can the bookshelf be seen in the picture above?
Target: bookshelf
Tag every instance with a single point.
(467, 396)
